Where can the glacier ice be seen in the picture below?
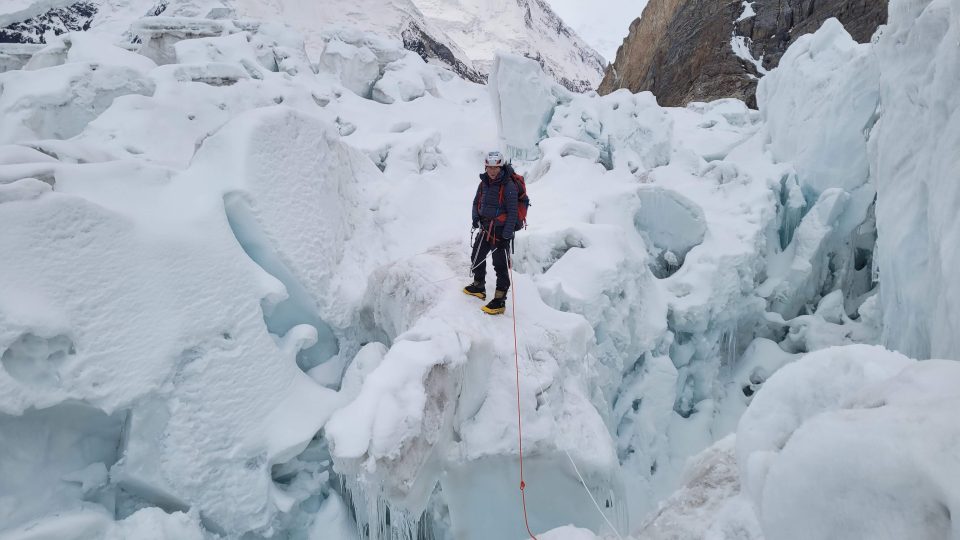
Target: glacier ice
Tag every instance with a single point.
(222, 252)
(672, 224)
(628, 129)
(56, 458)
(523, 103)
(819, 107)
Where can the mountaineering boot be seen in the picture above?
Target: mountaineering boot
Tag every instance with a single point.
(498, 305)
(476, 289)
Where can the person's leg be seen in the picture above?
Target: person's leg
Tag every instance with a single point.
(500, 266)
(499, 303)
(478, 261)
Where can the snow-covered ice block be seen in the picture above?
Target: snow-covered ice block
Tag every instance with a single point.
(386, 49)
(386, 435)
(561, 147)
(598, 271)
(53, 54)
(833, 327)
(630, 130)
(191, 102)
(568, 532)
(58, 102)
(161, 34)
(878, 463)
(759, 362)
(523, 101)
(16, 154)
(404, 80)
(413, 151)
(287, 152)
(712, 130)
(788, 400)
(279, 48)
(357, 68)
(189, 344)
(16, 55)
(230, 49)
(213, 74)
(99, 49)
(819, 105)
(731, 111)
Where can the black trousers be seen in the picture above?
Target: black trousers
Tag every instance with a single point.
(482, 246)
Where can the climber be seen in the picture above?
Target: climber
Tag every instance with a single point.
(495, 215)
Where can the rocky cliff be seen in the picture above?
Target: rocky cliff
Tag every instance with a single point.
(700, 50)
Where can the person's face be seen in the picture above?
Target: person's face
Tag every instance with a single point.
(493, 171)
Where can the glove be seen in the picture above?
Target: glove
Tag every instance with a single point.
(504, 243)
(476, 223)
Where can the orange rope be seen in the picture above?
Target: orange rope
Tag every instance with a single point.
(516, 360)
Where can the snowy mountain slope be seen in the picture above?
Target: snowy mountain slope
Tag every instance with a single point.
(236, 296)
(27, 22)
(397, 19)
(524, 27)
(444, 32)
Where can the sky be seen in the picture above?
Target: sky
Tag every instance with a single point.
(602, 23)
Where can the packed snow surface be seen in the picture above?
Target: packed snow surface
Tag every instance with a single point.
(231, 304)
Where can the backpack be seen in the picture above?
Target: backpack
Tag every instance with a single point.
(523, 201)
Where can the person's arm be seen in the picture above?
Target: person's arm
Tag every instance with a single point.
(476, 202)
(510, 202)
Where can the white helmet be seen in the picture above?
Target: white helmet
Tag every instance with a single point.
(493, 159)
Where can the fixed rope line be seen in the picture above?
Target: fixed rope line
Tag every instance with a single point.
(516, 359)
(516, 362)
(576, 469)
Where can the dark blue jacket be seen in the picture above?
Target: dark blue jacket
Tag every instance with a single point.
(488, 205)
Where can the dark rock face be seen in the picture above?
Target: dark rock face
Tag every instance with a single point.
(778, 24)
(680, 49)
(76, 16)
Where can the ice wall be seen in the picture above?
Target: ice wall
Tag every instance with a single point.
(523, 101)
(914, 165)
(431, 421)
(819, 110)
